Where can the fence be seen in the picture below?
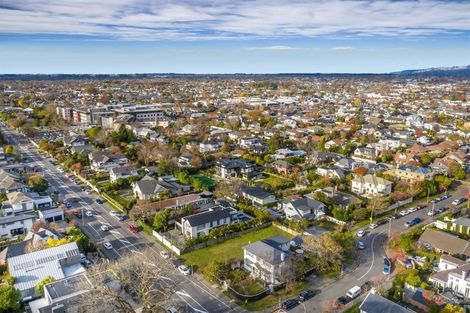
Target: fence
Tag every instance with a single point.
(334, 220)
(286, 229)
(400, 203)
(243, 297)
(166, 242)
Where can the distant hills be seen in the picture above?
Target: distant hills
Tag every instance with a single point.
(440, 72)
(437, 71)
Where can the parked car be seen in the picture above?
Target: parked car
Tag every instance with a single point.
(404, 213)
(421, 206)
(165, 254)
(99, 201)
(354, 292)
(382, 222)
(458, 201)
(86, 263)
(361, 245)
(361, 233)
(411, 210)
(184, 270)
(104, 227)
(432, 213)
(413, 222)
(395, 216)
(171, 310)
(113, 213)
(444, 197)
(89, 213)
(342, 300)
(133, 229)
(366, 286)
(373, 225)
(108, 245)
(307, 294)
(289, 304)
(387, 266)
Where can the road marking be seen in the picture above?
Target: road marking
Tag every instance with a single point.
(373, 256)
(183, 293)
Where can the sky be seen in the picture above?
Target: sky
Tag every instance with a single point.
(231, 36)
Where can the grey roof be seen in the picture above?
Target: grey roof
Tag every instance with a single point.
(376, 304)
(235, 163)
(16, 218)
(269, 249)
(306, 204)
(465, 221)
(127, 170)
(29, 268)
(208, 216)
(257, 192)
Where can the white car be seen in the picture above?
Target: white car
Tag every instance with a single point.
(104, 227)
(184, 270)
(112, 213)
(361, 233)
(107, 245)
(165, 254)
(404, 213)
(89, 213)
(411, 210)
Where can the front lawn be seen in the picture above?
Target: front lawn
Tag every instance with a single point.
(230, 249)
(206, 181)
(278, 182)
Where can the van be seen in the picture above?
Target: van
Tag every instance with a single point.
(353, 292)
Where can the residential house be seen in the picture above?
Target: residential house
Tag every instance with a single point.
(202, 223)
(211, 145)
(10, 182)
(267, 259)
(122, 172)
(14, 225)
(103, 161)
(196, 200)
(347, 164)
(414, 121)
(456, 276)
(334, 143)
(300, 208)
(461, 225)
(281, 154)
(258, 195)
(374, 303)
(282, 167)
(74, 141)
(443, 242)
(19, 202)
(366, 152)
(338, 197)
(30, 268)
(330, 171)
(410, 173)
(403, 158)
(371, 185)
(150, 188)
(228, 168)
(51, 215)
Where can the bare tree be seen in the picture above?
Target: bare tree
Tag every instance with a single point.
(147, 151)
(136, 281)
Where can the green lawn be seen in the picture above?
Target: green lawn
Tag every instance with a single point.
(278, 182)
(230, 249)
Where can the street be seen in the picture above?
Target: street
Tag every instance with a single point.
(195, 294)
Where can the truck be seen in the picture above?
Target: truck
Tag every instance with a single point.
(354, 292)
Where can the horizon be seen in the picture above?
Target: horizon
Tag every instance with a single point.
(257, 37)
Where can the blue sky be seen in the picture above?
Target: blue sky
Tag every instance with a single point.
(257, 36)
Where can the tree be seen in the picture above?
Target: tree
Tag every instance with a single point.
(147, 151)
(37, 183)
(377, 204)
(360, 171)
(326, 254)
(39, 289)
(457, 171)
(216, 269)
(51, 242)
(9, 299)
(136, 278)
(93, 132)
(360, 214)
(8, 149)
(452, 308)
(161, 219)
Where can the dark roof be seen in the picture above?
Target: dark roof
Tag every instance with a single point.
(235, 163)
(256, 192)
(376, 304)
(208, 216)
(269, 249)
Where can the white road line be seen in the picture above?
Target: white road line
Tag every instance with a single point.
(373, 256)
(183, 293)
(210, 293)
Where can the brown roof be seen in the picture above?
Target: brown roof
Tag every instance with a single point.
(445, 242)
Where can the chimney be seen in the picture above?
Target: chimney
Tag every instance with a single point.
(282, 256)
(463, 275)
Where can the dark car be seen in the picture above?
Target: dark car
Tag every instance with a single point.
(381, 222)
(413, 222)
(307, 294)
(99, 201)
(395, 216)
(289, 304)
(445, 197)
(342, 300)
(421, 206)
(366, 286)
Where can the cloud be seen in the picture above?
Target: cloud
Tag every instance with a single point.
(236, 19)
(275, 48)
(343, 48)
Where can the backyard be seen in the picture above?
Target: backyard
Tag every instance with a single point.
(278, 182)
(230, 249)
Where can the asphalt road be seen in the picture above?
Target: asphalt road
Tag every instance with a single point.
(371, 259)
(194, 294)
